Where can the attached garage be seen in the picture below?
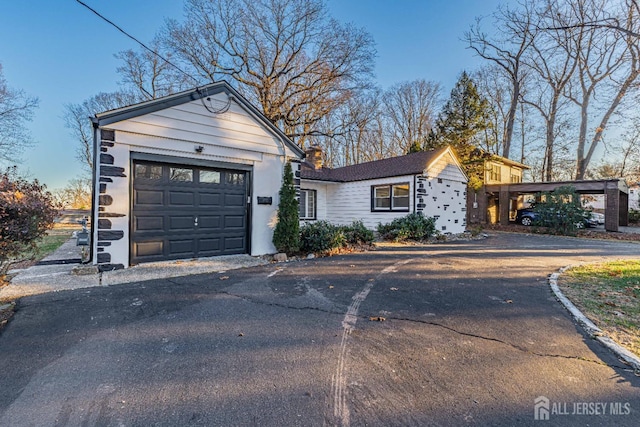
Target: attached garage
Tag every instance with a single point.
(182, 211)
(192, 175)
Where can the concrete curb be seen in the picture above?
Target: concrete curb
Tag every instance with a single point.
(591, 329)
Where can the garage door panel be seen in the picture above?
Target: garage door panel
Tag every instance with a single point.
(234, 200)
(233, 221)
(164, 213)
(210, 222)
(181, 198)
(145, 249)
(234, 243)
(148, 223)
(149, 197)
(181, 223)
(209, 246)
(209, 199)
(180, 247)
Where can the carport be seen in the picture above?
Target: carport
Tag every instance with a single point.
(615, 190)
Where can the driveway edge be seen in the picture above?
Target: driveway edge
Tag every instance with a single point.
(591, 329)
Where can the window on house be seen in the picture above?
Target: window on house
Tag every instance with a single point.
(516, 178)
(148, 171)
(495, 173)
(392, 197)
(307, 204)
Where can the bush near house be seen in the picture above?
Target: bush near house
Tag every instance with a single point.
(26, 213)
(560, 211)
(634, 216)
(414, 226)
(323, 237)
(286, 237)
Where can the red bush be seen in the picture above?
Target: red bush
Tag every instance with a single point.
(26, 212)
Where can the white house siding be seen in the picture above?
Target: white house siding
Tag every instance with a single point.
(351, 201)
(634, 197)
(442, 193)
(234, 137)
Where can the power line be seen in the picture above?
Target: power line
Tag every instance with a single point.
(136, 40)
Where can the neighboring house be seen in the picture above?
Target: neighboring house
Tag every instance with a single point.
(484, 207)
(634, 197)
(432, 183)
(500, 170)
(188, 175)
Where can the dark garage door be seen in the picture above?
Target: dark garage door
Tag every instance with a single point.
(187, 212)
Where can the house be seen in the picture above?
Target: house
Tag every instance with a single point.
(634, 196)
(483, 207)
(189, 175)
(430, 182)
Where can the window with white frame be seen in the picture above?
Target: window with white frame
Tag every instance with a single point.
(390, 197)
(307, 204)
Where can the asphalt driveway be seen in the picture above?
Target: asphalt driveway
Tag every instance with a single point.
(463, 333)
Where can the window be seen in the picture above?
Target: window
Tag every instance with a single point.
(209, 177)
(181, 174)
(495, 173)
(307, 204)
(235, 178)
(515, 179)
(148, 171)
(393, 197)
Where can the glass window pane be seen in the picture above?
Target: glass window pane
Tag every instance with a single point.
(148, 171)
(311, 202)
(382, 197)
(303, 204)
(181, 174)
(235, 178)
(401, 196)
(401, 202)
(210, 177)
(401, 190)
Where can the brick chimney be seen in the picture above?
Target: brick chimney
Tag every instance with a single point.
(314, 156)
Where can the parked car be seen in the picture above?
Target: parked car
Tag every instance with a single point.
(528, 217)
(598, 217)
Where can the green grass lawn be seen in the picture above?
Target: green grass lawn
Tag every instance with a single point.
(47, 244)
(609, 295)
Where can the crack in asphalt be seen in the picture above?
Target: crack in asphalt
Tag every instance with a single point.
(425, 322)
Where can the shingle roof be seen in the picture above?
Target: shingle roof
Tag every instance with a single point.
(410, 164)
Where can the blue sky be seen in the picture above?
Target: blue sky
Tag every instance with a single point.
(62, 53)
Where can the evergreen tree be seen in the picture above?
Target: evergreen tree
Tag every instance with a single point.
(286, 236)
(461, 124)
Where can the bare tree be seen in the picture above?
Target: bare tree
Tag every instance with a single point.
(353, 133)
(608, 67)
(287, 56)
(514, 34)
(148, 73)
(410, 110)
(552, 62)
(77, 120)
(16, 108)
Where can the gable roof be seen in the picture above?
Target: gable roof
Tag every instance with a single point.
(112, 116)
(410, 164)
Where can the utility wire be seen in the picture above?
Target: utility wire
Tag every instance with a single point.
(136, 40)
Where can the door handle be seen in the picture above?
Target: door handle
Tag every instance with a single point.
(195, 222)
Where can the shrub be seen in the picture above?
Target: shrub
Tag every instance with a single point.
(560, 210)
(321, 237)
(286, 236)
(358, 234)
(634, 216)
(26, 213)
(414, 226)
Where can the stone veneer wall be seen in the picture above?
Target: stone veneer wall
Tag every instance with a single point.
(443, 199)
(107, 234)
